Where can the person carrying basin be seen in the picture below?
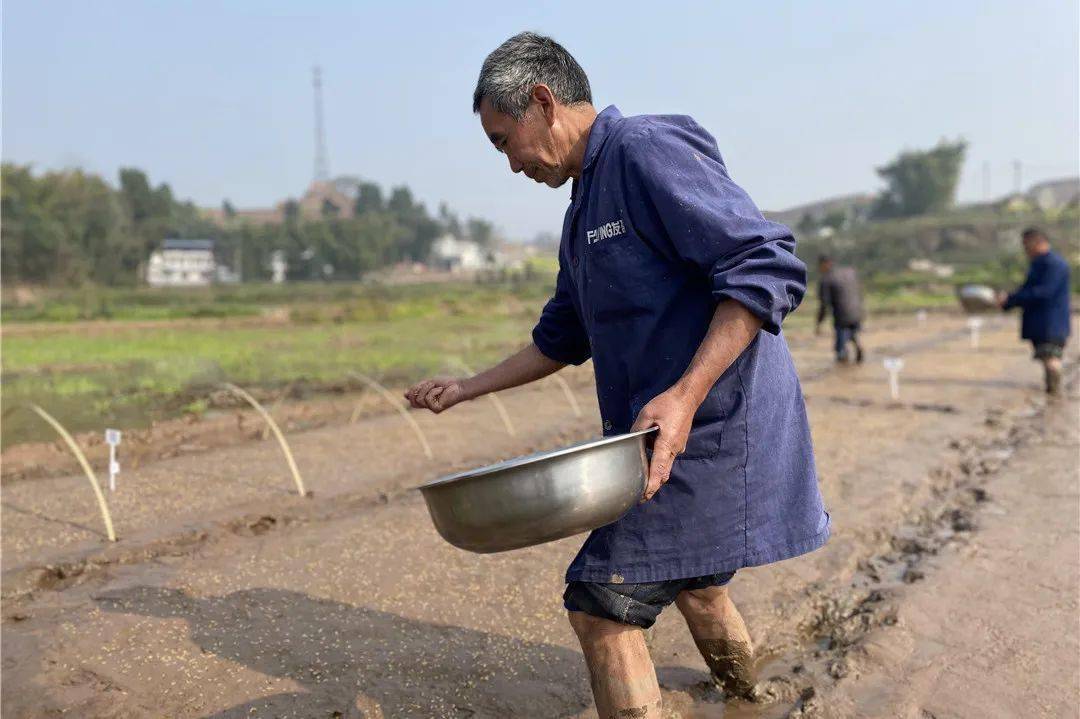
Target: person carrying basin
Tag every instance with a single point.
(675, 285)
(1044, 300)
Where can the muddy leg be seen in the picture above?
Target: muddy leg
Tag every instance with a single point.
(721, 636)
(620, 670)
(1052, 370)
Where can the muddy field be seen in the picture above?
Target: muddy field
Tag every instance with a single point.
(949, 588)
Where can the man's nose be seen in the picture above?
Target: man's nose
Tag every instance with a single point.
(515, 166)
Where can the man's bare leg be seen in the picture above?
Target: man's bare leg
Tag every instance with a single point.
(620, 669)
(1052, 370)
(721, 636)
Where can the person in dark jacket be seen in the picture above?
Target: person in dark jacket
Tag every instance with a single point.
(839, 289)
(1044, 300)
(675, 285)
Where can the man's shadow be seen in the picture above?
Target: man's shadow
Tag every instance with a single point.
(358, 662)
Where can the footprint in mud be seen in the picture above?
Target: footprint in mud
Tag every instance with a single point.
(57, 577)
(962, 521)
(254, 528)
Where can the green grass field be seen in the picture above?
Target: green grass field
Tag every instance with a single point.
(160, 353)
(128, 372)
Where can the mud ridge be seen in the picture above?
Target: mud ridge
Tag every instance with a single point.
(841, 619)
(61, 574)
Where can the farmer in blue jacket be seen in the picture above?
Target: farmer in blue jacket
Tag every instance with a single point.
(675, 285)
(1044, 299)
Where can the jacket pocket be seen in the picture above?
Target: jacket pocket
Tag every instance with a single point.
(704, 439)
(706, 430)
(622, 274)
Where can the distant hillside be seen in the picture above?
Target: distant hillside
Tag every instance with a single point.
(1055, 193)
(970, 243)
(1046, 195)
(855, 207)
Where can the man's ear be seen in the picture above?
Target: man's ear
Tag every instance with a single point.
(541, 95)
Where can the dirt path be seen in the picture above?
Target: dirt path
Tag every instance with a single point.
(988, 627)
(222, 602)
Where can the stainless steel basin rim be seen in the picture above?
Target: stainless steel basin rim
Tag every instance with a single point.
(540, 497)
(530, 458)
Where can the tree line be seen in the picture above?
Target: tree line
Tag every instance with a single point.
(72, 227)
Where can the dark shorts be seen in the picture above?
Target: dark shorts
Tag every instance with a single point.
(1047, 350)
(636, 604)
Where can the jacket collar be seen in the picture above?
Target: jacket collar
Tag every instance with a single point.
(598, 133)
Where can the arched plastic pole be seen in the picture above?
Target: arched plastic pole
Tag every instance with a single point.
(499, 406)
(277, 403)
(277, 433)
(569, 394)
(385, 394)
(87, 469)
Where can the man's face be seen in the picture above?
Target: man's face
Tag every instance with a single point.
(530, 144)
(1034, 245)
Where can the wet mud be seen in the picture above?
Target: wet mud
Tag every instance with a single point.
(250, 602)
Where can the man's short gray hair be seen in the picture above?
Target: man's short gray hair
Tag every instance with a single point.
(526, 60)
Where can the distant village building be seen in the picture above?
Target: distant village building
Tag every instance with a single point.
(224, 275)
(278, 267)
(450, 254)
(182, 263)
(1048, 196)
(930, 267)
(1055, 194)
(330, 198)
(512, 255)
(324, 199)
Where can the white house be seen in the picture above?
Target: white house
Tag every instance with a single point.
(931, 267)
(278, 266)
(450, 253)
(182, 263)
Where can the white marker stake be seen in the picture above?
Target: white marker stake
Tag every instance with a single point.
(893, 365)
(974, 324)
(920, 316)
(112, 438)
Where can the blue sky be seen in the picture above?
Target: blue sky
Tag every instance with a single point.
(805, 99)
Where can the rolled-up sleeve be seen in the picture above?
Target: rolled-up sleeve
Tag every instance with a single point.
(712, 223)
(559, 334)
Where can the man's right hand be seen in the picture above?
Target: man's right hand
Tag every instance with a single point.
(437, 394)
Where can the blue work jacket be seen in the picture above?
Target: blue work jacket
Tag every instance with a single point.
(655, 236)
(1044, 298)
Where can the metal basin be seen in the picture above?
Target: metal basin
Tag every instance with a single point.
(541, 497)
(977, 298)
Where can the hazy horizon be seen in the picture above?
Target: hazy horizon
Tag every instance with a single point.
(804, 102)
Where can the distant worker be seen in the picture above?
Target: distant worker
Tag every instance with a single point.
(839, 288)
(1044, 299)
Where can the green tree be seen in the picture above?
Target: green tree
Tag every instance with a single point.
(72, 227)
(291, 211)
(449, 220)
(921, 182)
(835, 220)
(329, 209)
(401, 203)
(369, 198)
(481, 232)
